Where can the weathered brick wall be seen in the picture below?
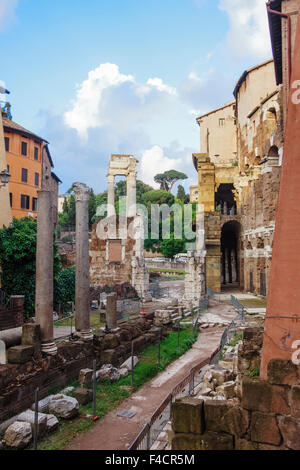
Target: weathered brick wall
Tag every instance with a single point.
(19, 381)
(102, 272)
(267, 416)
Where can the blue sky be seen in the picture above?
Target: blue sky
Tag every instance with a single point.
(125, 76)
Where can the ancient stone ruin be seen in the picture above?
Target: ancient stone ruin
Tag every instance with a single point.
(117, 242)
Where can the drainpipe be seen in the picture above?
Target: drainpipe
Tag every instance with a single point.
(288, 18)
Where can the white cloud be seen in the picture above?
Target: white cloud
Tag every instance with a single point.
(7, 11)
(154, 161)
(158, 160)
(249, 32)
(110, 98)
(206, 92)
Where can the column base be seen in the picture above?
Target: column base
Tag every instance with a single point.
(49, 348)
(85, 335)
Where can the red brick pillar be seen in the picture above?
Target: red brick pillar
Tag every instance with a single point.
(282, 326)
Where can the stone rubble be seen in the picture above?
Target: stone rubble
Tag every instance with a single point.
(18, 435)
(63, 406)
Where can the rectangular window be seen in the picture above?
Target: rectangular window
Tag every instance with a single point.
(222, 122)
(34, 204)
(25, 202)
(24, 149)
(24, 175)
(36, 153)
(115, 251)
(10, 199)
(37, 179)
(6, 144)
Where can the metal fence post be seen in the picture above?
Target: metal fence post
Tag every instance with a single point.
(132, 366)
(36, 419)
(191, 386)
(149, 437)
(159, 343)
(94, 387)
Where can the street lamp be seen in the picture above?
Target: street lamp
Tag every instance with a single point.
(4, 178)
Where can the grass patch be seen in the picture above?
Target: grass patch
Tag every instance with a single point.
(254, 303)
(236, 339)
(94, 321)
(170, 271)
(109, 396)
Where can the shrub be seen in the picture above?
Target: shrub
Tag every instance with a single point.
(18, 261)
(64, 289)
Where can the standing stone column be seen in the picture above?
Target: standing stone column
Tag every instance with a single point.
(111, 196)
(44, 272)
(82, 295)
(111, 312)
(131, 195)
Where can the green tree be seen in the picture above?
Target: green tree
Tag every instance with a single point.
(92, 207)
(64, 289)
(158, 197)
(169, 178)
(181, 193)
(18, 261)
(170, 248)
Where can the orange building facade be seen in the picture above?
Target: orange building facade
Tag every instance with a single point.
(25, 155)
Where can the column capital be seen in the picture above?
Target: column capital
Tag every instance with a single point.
(82, 192)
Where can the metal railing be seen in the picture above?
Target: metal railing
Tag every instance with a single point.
(215, 295)
(239, 307)
(185, 387)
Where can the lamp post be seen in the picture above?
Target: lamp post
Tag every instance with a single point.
(4, 178)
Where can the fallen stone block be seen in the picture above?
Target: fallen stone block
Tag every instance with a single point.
(227, 390)
(85, 377)
(29, 417)
(20, 354)
(42, 404)
(108, 372)
(221, 375)
(52, 423)
(18, 435)
(123, 372)
(63, 406)
(83, 395)
(67, 390)
(128, 364)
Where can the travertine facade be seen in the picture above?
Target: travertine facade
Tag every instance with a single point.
(238, 185)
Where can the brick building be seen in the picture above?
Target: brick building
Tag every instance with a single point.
(30, 165)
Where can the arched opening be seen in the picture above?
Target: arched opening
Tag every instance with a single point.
(272, 118)
(273, 152)
(224, 199)
(230, 239)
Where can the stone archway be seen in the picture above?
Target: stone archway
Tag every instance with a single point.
(230, 253)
